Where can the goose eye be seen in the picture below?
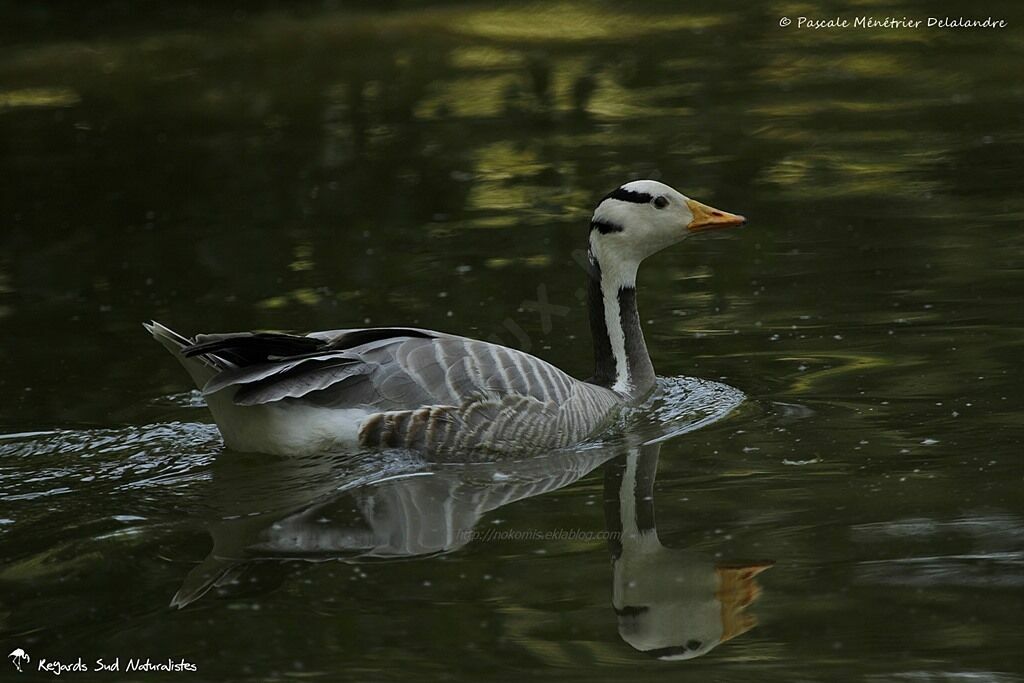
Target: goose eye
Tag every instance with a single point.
(660, 202)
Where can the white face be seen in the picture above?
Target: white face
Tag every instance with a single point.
(643, 217)
(639, 219)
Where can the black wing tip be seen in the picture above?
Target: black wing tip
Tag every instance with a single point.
(248, 348)
(367, 335)
(196, 350)
(251, 347)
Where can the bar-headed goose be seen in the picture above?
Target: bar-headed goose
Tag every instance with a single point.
(440, 393)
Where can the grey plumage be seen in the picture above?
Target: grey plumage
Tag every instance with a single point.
(423, 390)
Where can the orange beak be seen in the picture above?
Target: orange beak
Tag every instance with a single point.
(707, 218)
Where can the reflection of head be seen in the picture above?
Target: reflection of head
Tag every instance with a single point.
(685, 621)
(671, 604)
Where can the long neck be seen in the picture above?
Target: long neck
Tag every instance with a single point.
(621, 361)
(629, 500)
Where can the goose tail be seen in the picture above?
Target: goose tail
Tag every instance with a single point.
(201, 368)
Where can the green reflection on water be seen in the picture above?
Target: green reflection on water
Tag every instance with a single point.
(318, 166)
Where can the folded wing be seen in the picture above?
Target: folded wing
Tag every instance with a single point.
(381, 369)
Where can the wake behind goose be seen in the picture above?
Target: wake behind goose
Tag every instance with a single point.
(436, 392)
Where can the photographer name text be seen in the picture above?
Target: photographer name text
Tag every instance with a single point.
(817, 24)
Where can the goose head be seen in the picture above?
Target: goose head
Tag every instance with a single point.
(643, 217)
(632, 222)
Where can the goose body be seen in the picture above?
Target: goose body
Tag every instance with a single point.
(386, 387)
(440, 393)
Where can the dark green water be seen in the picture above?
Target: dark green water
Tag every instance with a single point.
(322, 166)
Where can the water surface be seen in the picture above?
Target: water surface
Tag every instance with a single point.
(327, 165)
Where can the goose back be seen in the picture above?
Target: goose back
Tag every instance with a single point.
(415, 388)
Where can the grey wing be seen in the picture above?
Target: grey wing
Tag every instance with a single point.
(456, 370)
(329, 368)
(380, 368)
(424, 389)
(473, 394)
(397, 373)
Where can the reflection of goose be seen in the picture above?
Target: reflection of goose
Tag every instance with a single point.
(431, 391)
(671, 604)
(393, 504)
(319, 510)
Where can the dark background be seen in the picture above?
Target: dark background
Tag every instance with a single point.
(318, 165)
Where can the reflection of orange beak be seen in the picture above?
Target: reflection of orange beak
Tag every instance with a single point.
(737, 589)
(707, 218)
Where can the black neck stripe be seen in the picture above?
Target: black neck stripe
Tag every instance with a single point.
(604, 227)
(604, 359)
(625, 195)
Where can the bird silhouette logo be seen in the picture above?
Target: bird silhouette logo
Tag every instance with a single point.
(17, 657)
